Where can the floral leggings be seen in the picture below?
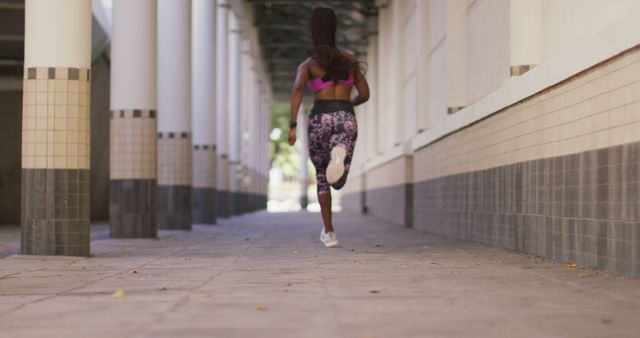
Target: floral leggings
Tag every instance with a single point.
(328, 129)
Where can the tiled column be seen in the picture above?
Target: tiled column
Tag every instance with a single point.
(204, 101)
(222, 111)
(174, 114)
(133, 146)
(235, 74)
(56, 116)
(525, 35)
(246, 134)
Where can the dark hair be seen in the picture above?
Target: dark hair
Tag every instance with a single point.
(324, 50)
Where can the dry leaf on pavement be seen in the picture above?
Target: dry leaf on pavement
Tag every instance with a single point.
(118, 294)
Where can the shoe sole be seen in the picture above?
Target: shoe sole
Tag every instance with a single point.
(331, 244)
(335, 169)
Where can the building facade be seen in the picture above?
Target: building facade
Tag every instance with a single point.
(508, 123)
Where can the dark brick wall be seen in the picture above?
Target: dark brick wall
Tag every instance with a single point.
(581, 208)
(352, 202)
(391, 203)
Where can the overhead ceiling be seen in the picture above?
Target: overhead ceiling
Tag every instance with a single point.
(283, 27)
(11, 38)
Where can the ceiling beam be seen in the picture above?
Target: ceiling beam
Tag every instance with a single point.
(9, 6)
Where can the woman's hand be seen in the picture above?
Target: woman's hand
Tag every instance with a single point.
(292, 136)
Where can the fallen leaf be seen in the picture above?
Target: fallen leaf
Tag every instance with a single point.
(118, 294)
(185, 259)
(207, 295)
(606, 321)
(262, 308)
(352, 250)
(583, 275)
(360, 262)
(374, 291)
(571, 265)
(295, 252)
(435, 254)
(164, 288)
(247, 239)
(378, 245)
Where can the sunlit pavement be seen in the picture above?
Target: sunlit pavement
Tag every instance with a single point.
(267, 275)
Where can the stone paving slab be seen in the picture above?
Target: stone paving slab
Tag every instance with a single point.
(267, 275)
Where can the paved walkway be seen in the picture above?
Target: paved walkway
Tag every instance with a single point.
(266, 275)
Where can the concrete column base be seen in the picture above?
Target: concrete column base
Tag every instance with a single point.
(232, 197)
(55, 212)
(174, 207)
(132, 208)
(204, 205)
(222, 203)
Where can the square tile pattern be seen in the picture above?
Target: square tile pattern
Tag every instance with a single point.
(55, 210)
(595, 109)
(133, 208)
(56, 118)
(582, 208)
(174, 159)
(133, 145)
(204, 166)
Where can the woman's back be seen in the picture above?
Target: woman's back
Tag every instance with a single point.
(327, 88)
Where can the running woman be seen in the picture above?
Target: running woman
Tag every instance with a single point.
(331, 74)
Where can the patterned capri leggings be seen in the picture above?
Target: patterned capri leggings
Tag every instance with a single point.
(331, 123)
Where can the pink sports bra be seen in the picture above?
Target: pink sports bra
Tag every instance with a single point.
(320, 83)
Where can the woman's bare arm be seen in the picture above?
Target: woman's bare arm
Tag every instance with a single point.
(362, 86)
(297, 93)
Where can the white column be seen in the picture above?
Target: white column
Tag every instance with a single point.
(174, 114)
(303, 154)
(222, 109)
(373, 109)
(244, 135)
(133, 140)
(235, 74)
(525, 35)
(204, 110)
(56, 128)
(456, 55)
(422, 11)
(384, 133)
(395, 106)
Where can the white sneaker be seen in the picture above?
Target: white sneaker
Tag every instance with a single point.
(335, 169)
(328, 238)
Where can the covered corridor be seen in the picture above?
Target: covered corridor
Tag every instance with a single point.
(494, 190)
